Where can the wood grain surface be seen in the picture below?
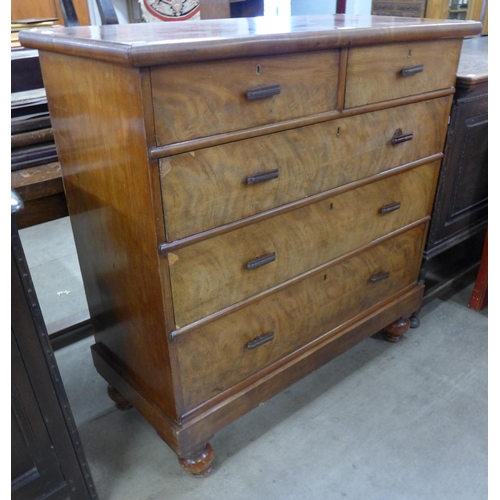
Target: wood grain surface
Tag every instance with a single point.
(197, 100)
(212, 274)
(102, 151)
(207, 188)
(154, 128)
(473, 65)
(216, 356)
(374, 73)
(154, 44)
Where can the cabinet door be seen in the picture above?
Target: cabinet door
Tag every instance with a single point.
(35, 469)
(47, 458)
(461, 203)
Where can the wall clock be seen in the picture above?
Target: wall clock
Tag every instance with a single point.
(170, 10)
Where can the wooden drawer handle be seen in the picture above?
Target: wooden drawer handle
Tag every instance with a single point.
(263, 92)
(263, 177)
(262, 339)
(412, 70)
(390, 208)
(398, 139)
(261, 261)
(379, 277)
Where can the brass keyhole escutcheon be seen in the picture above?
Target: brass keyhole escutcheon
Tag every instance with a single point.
(258, 69)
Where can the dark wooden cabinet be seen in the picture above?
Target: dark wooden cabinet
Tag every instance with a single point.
(460, 213)
(47, 457)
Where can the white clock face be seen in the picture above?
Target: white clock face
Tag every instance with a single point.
(172, 10)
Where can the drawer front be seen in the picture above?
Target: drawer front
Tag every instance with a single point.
(385, 72)
(218, 272)
(198, 100)
(214, 186)
(227, 351)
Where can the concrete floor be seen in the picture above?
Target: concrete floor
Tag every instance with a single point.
(384, 421)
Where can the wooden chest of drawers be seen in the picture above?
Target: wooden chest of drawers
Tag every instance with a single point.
(249, 198)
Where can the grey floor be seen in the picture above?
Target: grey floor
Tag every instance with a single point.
(384, 421)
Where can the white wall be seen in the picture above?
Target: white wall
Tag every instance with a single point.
(298, 8)
(359, 7)
(303, 7)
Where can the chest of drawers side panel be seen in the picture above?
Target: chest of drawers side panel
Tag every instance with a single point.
(97, 116)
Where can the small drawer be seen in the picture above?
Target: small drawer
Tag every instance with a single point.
(223, 353)
(217, 272)
(214, 186)
(198, 100)
(385, 72)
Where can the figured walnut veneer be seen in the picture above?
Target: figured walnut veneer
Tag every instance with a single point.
(210, 98)
(211, 275)
(309, 160)
(376, 73)
(249, 197)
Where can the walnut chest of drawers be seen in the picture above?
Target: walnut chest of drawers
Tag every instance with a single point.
(249, 198)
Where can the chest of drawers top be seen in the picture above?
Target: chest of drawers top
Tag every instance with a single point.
(153, 44)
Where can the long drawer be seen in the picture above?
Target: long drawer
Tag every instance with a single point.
(218, 185)
(215, 273)
(198, 100)
(227, 351)
(384, 72)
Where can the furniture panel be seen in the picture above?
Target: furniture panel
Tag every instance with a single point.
(220, 271)
(47, 458)
(462, 196)
(382, 73)
(460, 214)
(197, 100)
(273, 327)
(214, 186)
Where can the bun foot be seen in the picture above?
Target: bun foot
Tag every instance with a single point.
(120, 402)
(414, 321)
(395, 331)
(199, 464)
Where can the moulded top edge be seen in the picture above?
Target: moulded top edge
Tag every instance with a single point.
(146, 44)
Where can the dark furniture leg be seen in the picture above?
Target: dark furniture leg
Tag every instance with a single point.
(120, 402)
(199, 464)
(395, 331)
(414, 320)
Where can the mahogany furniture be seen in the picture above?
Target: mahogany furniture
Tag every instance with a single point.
(249, 198)
(479, 296)
(460, 213)
(47, 457)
